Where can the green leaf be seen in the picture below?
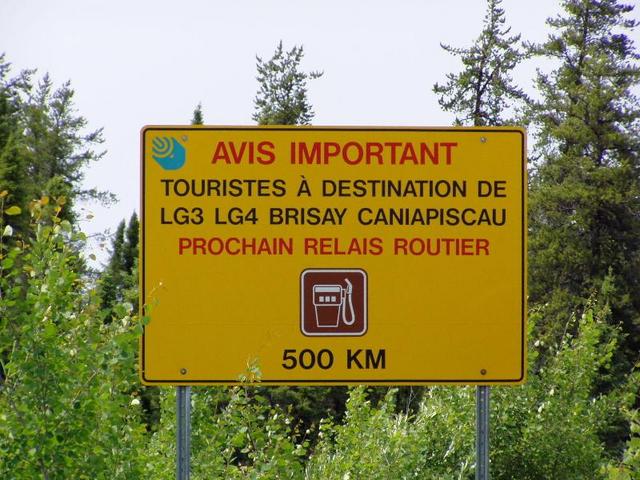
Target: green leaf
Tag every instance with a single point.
(50, 330)
(13, 210)
(8, 231)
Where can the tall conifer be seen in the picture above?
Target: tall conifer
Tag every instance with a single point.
(484, 91)
(14, 178)
(58, 146)
(198, 117)
(112, 281)
(585, 193)
(282, 94)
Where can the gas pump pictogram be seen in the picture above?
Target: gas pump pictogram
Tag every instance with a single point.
(333, 302)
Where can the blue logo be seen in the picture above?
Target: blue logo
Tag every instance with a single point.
(169, 153)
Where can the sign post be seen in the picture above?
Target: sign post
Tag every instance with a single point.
(183, 433)
(482, 432)
(333, 256)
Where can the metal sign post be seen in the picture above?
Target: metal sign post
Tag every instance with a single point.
(482, 433)
(183, 435)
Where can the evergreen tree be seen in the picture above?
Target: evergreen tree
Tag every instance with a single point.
(130, 248)
(119, 278)
(44, 146)
(585, 194)
(13, 166)
(482, 92)
(112, 281)
(58, 147)
(282, 95)
(198, 117)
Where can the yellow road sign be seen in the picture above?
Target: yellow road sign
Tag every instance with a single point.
(321, 255)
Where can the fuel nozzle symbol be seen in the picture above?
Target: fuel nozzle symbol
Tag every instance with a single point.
(348, 298)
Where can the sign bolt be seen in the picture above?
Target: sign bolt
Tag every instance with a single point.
(183, 371)
(483, 372)
(483, 139)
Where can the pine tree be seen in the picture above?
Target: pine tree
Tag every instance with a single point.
(58, 147)
(112, 281)
(482, 92)
(130, 247)
(119, 278)
(585, 194)
(282, 95)
(13, 165)
(198, 117)
(44, 145)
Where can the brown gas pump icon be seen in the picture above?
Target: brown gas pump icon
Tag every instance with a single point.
(333, 302)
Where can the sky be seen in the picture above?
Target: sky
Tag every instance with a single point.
(150, 62)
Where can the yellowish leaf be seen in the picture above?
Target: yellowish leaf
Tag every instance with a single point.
(13, 210)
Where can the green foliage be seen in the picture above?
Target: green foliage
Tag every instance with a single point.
(484, 89)
(112, 280)
(130, 248)
(376, 442)
(309, 405)
(54, 132)
(548, 428)
(70, 402)
(13, 167)
(118, 282)
(629, 467)
(66, 411)
(282, 95)
(44, 143)
(69, 406)
(236, 434)
(198, 117)
(552, 426)
(57, 147)
(585, 193)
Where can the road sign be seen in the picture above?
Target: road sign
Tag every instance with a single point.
(321, 255)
